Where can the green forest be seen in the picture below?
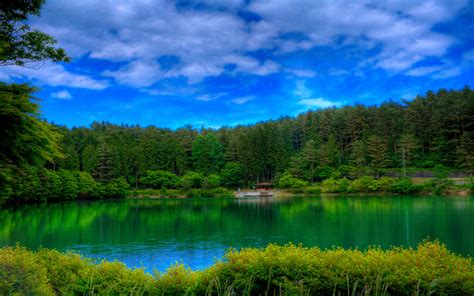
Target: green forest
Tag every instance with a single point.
(40, 160)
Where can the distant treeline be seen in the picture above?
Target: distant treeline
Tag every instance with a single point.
(434, 129)
(431, 131)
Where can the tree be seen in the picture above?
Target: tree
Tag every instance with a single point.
(358, 153)
(89, 159)
(465, 153)
(310, 154)
(407, 146)
(207, 154)
(19, 45)
(377, 153)
(25, 140)
(232, 175)
(104, 169)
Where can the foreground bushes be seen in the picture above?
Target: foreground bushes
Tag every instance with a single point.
(275, 270)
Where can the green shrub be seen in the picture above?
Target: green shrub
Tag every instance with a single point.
(192, 180)
(22, 274)
(118, 187)
(335, 186)
(212, 181)
(288, 181)
(312, 190)
(364, 184)
(274, 270)
(160, 179)
(403, 186)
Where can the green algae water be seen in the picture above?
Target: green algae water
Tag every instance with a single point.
(154, 234)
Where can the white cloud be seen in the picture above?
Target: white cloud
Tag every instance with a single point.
(319, 103)
(303, 73)
(301, 90)
(137, 33)
(402, 30)
(55, 75)
(213, 97)
(61, 95)
(243, 100)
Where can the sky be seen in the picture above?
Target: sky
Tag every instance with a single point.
(215, 63)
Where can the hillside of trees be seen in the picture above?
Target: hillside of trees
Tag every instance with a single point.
(437, 128)
(44, 161)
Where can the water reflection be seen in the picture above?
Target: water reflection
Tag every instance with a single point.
(157, 233)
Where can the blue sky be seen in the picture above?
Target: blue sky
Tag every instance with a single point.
(214, 63)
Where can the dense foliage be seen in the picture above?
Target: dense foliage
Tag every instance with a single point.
(290, 270)
(336, 144)
(348, 142)
(19, 45)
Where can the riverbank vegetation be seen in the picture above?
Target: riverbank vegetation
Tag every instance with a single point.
(275, 270)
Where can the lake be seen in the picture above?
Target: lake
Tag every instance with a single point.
(157, 233)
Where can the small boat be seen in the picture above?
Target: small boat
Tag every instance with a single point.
(261, 190)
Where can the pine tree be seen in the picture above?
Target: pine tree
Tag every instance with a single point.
(310, 154)
(407, 148)
(104, 169)
(377, 153)
(465, 152)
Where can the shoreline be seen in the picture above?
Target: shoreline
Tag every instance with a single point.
(286, 193)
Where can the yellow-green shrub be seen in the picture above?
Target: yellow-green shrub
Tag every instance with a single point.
(287, 270)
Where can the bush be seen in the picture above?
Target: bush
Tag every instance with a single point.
(192, 180)
(22, 274)
(212, 181)
(312, 190)
(335, 186)
(288, 181)
(364, 184)
(403, 186)
(160, 179)
(118, 187)
(274, 270)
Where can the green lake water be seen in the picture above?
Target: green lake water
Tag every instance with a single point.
(157, 233)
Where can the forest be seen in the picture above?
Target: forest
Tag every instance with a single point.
(43, 161)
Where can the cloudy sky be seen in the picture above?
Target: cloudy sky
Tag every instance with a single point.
(216, 63)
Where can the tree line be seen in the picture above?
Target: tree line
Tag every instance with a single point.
(351, 141)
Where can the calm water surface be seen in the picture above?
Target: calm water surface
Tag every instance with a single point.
(157, 233)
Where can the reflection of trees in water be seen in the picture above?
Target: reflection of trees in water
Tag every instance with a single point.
(325, 221)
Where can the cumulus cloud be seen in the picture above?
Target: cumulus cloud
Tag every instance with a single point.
(61, 95)
(55, 75)
(398, 34)
(403, 30)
